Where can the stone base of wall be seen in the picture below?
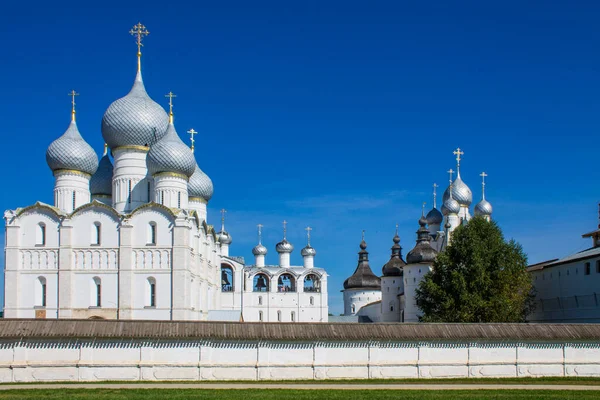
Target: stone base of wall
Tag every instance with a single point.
(66, 359)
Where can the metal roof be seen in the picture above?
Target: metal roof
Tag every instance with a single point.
(582, 255)
(88, 329)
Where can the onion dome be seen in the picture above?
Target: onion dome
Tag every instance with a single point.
(434, 217)
(484, 207)
(460, 192)
(259, 250)
(170, 154)
(70, 151)
(101, 181)
(450, 206)
(224, 237)
(134, 120)
(308, 250)
(284, 247)
(363, 277)
(394, 267)
(422, 252)
(200, 185)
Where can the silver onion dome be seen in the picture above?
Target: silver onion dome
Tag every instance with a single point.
(101, 181)
(70, 151)
(134, 120)
(259, 250)
(450, 206)
(170, 154)
(483, 208)
(308, 251)
(224, 237)
(434, 217)
(460, 192)
(200, 185)
(284, 247)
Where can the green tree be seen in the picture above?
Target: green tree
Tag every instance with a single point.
(480, 277)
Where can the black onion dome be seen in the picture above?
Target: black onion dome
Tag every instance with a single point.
(394, 267)
(101, 181)
(422, 252)
(363, 277)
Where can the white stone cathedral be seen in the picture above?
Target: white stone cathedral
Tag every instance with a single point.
(129, 239)
(391, 297)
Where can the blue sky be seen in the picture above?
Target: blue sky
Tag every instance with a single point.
(337, 115)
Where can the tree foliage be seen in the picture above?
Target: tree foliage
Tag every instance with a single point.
(480, 277)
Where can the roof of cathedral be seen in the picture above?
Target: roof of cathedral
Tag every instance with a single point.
(134, 120)
(101, 181)
(292, 331)
(170, 154)
(200, 185)
(71, 152)
(422, 252)
(363, 276)
(394, 266)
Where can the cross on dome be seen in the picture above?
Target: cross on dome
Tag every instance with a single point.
(139, 31)
(223, 212)
(308, 229)
(284, 229)
(451, 172)
(170, 95)
(260, 226)
(435, 186)
(483, 175)
(73, 94)
(192, 132)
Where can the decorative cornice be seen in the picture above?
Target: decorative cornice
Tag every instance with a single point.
(60, 172)
(198, 199)
(56, 211)
(170, 175)
(141, 149)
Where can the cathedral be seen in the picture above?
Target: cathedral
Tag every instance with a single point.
(128, 238)
(391, 296)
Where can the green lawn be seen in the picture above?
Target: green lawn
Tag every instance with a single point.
(274, 394)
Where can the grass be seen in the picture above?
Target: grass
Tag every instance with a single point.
(571, 380)
(274, 394)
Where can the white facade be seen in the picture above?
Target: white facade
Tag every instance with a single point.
(413, 275)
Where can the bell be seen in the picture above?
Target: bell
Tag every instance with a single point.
(260, 282)
(224, 278)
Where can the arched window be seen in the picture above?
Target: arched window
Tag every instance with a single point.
(152, 233)
(96, 229)
(40, 234)
(151, 298)
(260, 283)
(97, 292)
(353, 309)
(260, 300)
(278, 316)
(226, 278)
(312, 301)
(260, 316)
(286, 283)
(293, 316)
(312, 283)
(41, 293)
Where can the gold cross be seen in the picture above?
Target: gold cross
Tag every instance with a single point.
(223, 211)
(451, 172)
(73, 94)
(308, 229)
(192, 132)
(458, 152)
(284, 229)
(139, 31)
(170, 95)
(483, 175)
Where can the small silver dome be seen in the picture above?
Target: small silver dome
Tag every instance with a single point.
(308, 251)
(483, 208)
(284, 247)
(200, 185)
(259, 250)
(70, 151)
(170, 154)
(460, 192)
(434, 217)
(101, 181)
(224, 237)
(135, 119)
(450, 206)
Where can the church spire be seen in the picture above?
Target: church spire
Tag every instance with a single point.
(139, 31)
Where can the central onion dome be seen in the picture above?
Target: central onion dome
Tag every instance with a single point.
(134, 120)
(422, 252)
(200, 185)
(71, 152)
(284, 247)
(460, 192)
(395, 266)
(101, 181)
(170, 154)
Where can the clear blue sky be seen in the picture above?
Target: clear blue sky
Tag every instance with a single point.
(338, 115)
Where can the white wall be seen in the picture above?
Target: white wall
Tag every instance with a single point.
(413, 274)
(72, 359)
(355, 299)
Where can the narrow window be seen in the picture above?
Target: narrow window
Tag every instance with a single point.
(153, 295)
(353, 308)
(260, 316)
(148, 191)
(260, 300)
(74, 200)
(178, 199)
(312, 301)
(129, 191)
(96, 233)
(278, 316)
(44, 293)
(98, 295)
(588, 268)
(598, 267)
(391, 308)
(40, 239)
(293, 316)
(152, 233)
